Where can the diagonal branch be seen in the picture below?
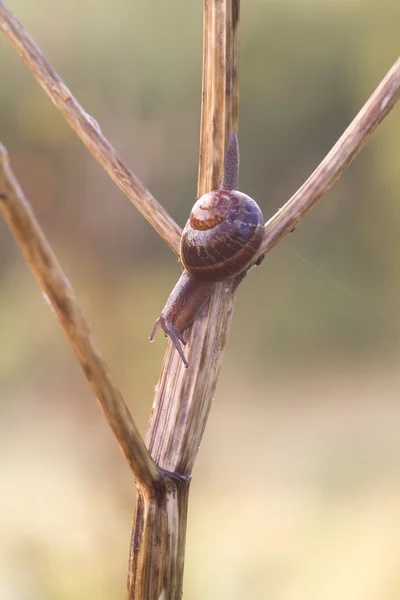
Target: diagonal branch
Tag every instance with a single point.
(60, 295)
(88, 129)
(343, 152)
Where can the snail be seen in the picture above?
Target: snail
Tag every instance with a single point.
(219, 242)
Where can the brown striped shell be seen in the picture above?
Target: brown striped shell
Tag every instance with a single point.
(222, 235)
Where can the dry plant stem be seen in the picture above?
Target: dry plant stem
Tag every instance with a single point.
(88, 129)
(183, 397)
(60, 295)
(333, 165)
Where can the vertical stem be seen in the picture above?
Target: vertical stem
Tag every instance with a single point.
(158, 541)
(220, 95)
(183, 397)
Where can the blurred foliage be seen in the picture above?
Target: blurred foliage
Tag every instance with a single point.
(301, 499)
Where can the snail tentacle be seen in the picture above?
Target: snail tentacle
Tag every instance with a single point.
(230, 178)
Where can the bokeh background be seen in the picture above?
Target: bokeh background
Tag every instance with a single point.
(296, 490)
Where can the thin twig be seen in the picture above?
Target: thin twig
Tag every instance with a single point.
(333, 165)
(60, 295)
(88, 129)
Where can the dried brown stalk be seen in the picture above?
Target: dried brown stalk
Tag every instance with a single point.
(343, 152)
(87, 128)
(60, 295)
(183, 398)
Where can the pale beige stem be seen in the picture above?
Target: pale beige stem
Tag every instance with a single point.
(343, 152)
(88, 129)
(60, 295)
(184, 396)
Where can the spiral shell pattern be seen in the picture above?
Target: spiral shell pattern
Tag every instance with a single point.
(222, 235)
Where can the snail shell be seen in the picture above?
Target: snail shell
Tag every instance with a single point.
(220, 241)
(222, 235)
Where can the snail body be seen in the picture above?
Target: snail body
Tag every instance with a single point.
(220, 240)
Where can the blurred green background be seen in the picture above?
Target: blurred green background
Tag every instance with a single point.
(296, 490)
